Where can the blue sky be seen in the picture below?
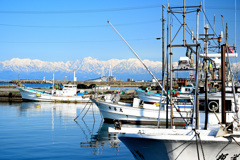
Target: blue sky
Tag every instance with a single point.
(66, 30)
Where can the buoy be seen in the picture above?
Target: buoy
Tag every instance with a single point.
(38, 95)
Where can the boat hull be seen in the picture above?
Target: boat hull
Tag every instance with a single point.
(175, 147)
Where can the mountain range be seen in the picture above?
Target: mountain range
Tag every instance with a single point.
(87, 68)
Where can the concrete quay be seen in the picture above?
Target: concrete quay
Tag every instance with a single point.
(113, 84)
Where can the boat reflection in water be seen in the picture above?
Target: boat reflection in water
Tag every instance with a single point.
(63, 111)
(103, 138)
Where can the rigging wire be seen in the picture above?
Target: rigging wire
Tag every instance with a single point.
(210, 26)
(180, 22)
(140, 39)
(92, 26)
(209, 23)
(99, 10)
(79, 11)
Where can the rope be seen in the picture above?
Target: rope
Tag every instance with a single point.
(235, 141)
(87, 111)
(82, 111)
(197, 135)
(196, 143)
(201, 146)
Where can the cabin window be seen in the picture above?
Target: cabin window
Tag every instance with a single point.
(228, 105)
(202, 105)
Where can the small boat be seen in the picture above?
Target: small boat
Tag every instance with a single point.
(102, 87)
(151, 97)
(67, 94)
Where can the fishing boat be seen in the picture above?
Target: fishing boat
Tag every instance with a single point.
(151, 97)
(217, 141)
(215, 130)
(102, 87)
(67, 94)
(137, 113)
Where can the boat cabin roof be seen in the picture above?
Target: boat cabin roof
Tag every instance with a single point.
(69, 85)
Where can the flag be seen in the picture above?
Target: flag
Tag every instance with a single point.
(229, 49)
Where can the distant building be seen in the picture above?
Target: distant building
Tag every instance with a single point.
(130, 80)
(111, 79)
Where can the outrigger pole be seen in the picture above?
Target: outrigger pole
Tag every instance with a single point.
(136, 55)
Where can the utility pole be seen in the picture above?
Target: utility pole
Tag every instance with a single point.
(206, 78)
(163, 44)
(196, 77)
(168, 10)
(223, 83)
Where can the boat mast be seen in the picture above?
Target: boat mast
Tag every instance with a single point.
(235, 47)
(196, 77)
(53, 82)
(170, 46)
(168, 10)
(206, 76)
(223, 84)
(163, 43)
(171, 77)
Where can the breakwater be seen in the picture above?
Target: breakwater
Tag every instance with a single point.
(113, 84)
(177, 82)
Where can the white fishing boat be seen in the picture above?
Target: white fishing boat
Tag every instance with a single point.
(137, 113)
(216, 142)
(151, 97)
(102, 87)
(67, 94)
(140, 112)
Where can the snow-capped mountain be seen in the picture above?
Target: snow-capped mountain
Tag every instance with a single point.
(87, 64)
(86, 68)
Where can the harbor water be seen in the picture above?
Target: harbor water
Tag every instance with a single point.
(44, 130)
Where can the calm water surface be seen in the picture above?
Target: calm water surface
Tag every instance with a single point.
(33, 85)
(38, 130)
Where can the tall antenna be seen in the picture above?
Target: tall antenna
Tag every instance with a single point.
(102, 72)
(214, 23)
(110, 71)
(203, 8)
(235, 26)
